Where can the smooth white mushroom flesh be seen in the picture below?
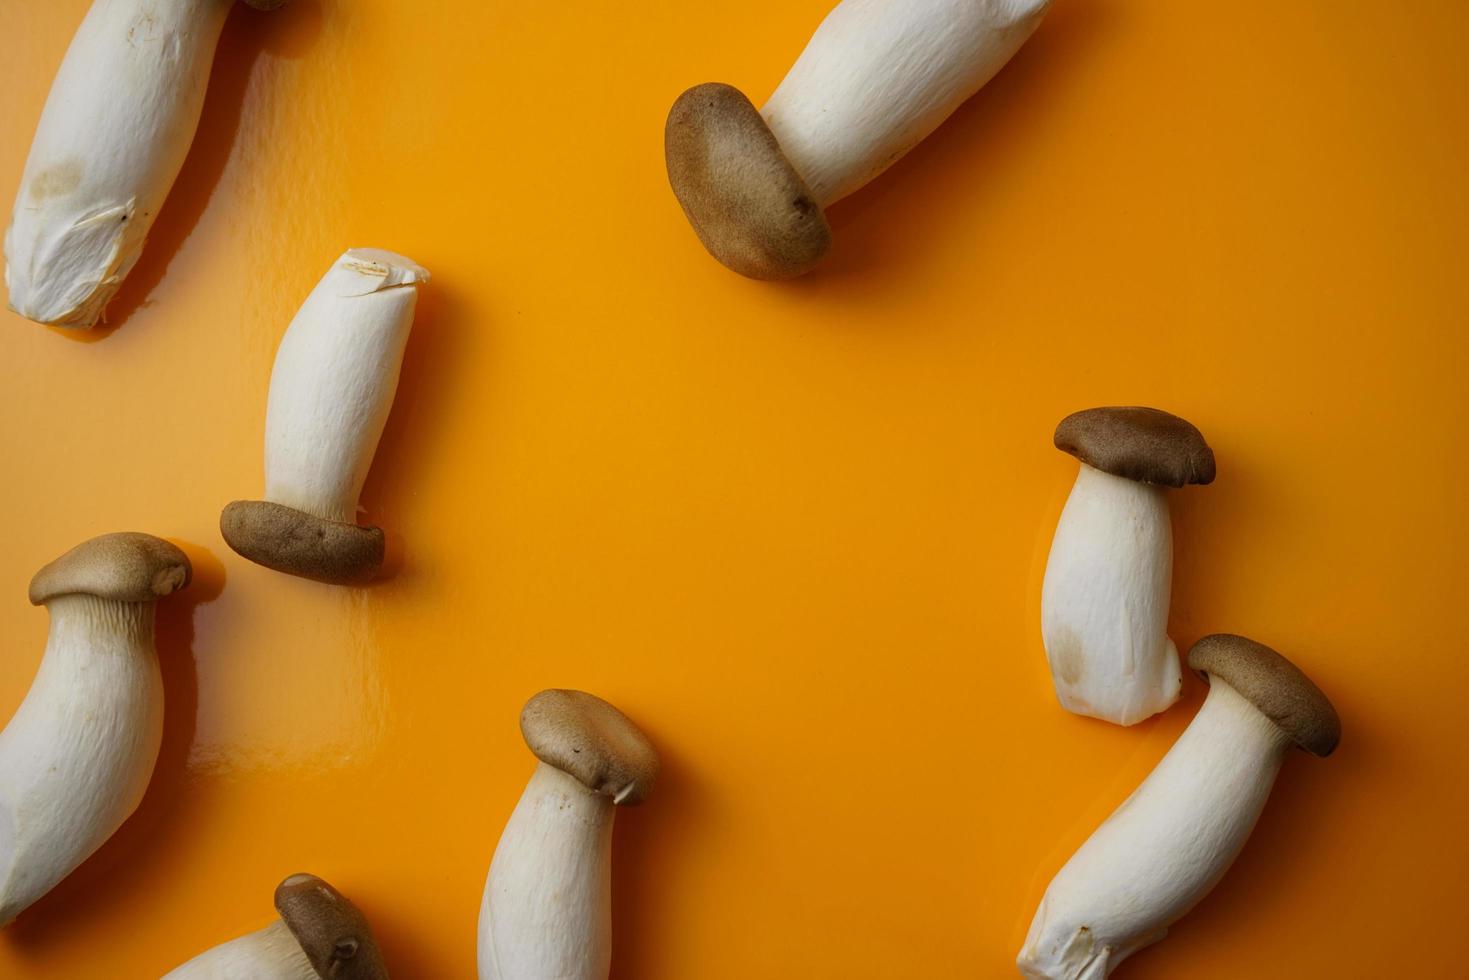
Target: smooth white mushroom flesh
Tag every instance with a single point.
(332, 386)
(112, 137)
(1104, 602)
(76, 758)
(880, 75)
(269, 954)
(547, 907)
(1164, 848)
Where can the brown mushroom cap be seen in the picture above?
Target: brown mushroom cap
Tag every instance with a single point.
(1142, 444)
(1274, 685)
(292, 541)
(587, 738)
(748, 205)
(332, 932)
(126, 567)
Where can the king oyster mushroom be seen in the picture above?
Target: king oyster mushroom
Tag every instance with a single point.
(1104, 602)
(547, 907)
(331, 389)
(76, 758)
(1171, 841)
(875, 79)
(115, 130)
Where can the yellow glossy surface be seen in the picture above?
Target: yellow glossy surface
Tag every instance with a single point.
(796, 531)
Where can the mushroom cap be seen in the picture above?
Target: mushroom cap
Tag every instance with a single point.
(267, 4)
(126, 566)
(587, 738)
(298, 543)
(1274, 685)
(332, 932)
(748, 205)
(1142, 444)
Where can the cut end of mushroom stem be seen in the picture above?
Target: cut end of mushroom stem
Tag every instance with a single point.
(1172, 840)
(330, 393)
(116, 127)
(76, 757)
(875, 79)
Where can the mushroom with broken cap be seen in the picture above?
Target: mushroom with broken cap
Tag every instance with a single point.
(320, 934)
(330, 393)
(1172, 840)
(1104, 602)
(547, 907)
(874, 80)
(76, 758)
(113, 134)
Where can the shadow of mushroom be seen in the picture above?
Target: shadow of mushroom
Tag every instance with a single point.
(414, 433)
(1212, 568)
(248, 33)
(124, 867)
(402, 947)
(637, 889)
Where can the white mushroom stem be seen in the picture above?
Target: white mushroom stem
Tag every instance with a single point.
(77, 756)
(880, 75)
(547, 908)
(333, 383)
(269, 954)
(112, 137)
(1164, 848)
(1104, 603)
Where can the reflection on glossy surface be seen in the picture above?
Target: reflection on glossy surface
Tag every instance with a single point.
(296, 685)
(799, 531)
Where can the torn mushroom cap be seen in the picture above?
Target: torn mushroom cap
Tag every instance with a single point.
(589, 739)
(1142, 444)
(293, 541)
(333, 934)
(1272, 684)
(749, 206)
(126, 567)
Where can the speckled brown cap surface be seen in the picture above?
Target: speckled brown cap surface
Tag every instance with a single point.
(332, 932)
(1274, 685)
(126, 567)
(587, 738)
(292, 541)
(1142, 444)
(748, 205)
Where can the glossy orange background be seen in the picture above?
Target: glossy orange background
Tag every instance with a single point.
(796, 531)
